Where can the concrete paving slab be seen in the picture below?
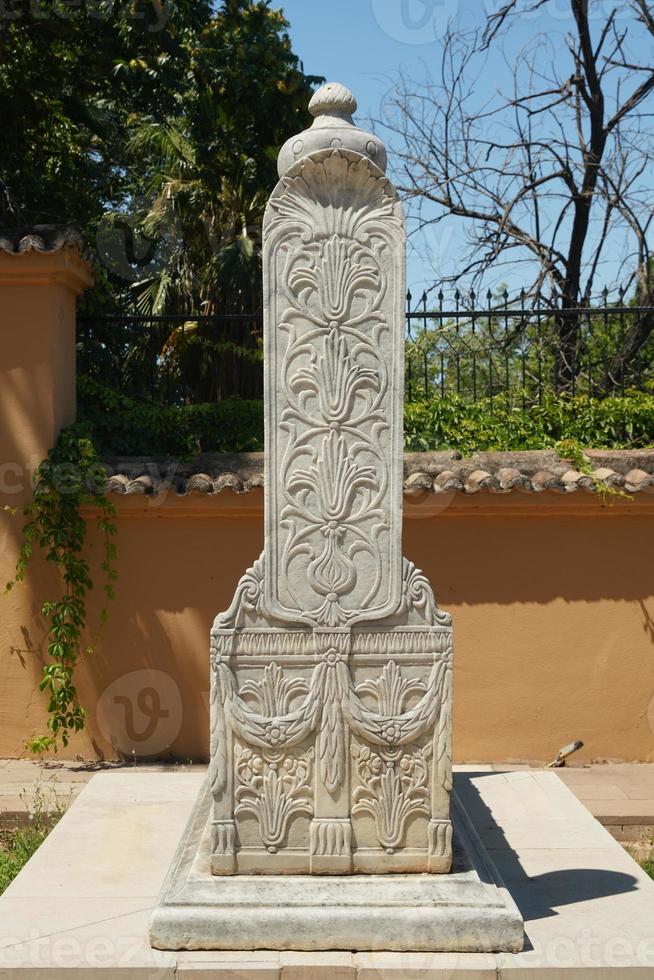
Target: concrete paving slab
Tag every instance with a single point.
(322, 966)
(624, 811)
(425, 966)
(599, 791)
(591, 784)
(27, 920)
(138, 829)
(237, 970)
(589, 909)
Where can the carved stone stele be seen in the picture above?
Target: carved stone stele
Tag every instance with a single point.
(331, 670)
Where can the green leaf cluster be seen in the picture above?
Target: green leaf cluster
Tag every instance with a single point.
(153, 126)
(22, 845)
(512, 423)
(70, 477)
(17, 846)
(124, 426)
(73, 79)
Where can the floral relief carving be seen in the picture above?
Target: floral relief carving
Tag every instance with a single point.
(394, 786)
(417, 595)
(274, 789)
(334, 558)
(272, 721)
(394, 783)
(247, 599)
(401, 725)
(335, 379)
(391, 691)
(288, 714)
(327, 278)
(287, 711)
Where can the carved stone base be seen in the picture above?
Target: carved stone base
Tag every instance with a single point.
(331, 746)
(468, 910)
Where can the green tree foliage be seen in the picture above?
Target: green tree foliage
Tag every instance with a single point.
(208, 171)
(124, 426)
(72, 80)
(153, 126)
(498, 348)
(453, 423)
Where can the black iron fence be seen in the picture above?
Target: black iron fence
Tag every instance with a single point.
(454, 345)
(459, 346)
(173, 359)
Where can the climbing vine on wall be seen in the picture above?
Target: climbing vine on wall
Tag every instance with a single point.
(71, 477)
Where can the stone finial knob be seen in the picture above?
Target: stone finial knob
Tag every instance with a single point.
(333, 98)
(333, 128)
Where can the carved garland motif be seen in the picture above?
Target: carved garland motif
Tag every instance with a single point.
(330, 702)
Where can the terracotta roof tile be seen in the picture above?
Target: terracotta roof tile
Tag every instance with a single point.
(229, 481)
(541, 471)
(638, 479)
(510, 478)
(39, 238)
(546, 479)
(446, 481)
(199, 483)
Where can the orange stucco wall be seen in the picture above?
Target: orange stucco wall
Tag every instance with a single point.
(552, 597)
(38, 291)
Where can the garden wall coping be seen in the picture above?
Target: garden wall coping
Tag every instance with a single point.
(629, 471)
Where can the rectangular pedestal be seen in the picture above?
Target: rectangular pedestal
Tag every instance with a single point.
(468, 910)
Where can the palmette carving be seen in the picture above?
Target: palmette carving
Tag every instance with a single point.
(394, 786)
(274, 788)
(333, 554)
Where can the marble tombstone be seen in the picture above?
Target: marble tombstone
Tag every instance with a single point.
(330, 749)
(325, 822)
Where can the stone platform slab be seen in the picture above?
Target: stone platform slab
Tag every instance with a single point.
(467, 910)
(82, 906)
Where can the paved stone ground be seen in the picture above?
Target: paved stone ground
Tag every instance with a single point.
(82, 906)
(26, 784)
(620, 795)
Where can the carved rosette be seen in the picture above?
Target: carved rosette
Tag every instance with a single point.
(331, 670)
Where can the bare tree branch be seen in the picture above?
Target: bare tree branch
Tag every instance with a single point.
(558, 172)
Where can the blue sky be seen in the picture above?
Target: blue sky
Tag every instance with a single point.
(363, 43)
